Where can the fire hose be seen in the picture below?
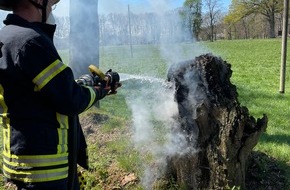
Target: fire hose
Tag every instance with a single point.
(100, 79)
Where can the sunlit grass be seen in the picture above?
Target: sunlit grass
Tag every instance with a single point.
(256, 74)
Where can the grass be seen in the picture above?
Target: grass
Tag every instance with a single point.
(256, 72)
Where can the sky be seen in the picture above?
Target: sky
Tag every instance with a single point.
(109, 6)
(136, 6)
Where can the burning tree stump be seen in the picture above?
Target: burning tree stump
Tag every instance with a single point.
(222, 132)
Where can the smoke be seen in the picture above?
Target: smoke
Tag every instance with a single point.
(157, 134)
(171, 51)
(142, 6)
(84, 36)
(159, 6)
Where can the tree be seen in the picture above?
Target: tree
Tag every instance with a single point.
(212, 16)
(235, 14)
(191, 14)
(221, 132)
(267, 8)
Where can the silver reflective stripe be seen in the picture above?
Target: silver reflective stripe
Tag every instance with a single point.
(36, 175)
(34, 161)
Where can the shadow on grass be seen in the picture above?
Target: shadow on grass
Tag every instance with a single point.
(265, 172)
(277, 138)
(257, 100)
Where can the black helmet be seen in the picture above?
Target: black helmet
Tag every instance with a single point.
(8, 4)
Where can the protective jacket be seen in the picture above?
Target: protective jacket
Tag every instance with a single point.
(39, 104)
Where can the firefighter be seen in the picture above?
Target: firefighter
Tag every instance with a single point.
(40, 101)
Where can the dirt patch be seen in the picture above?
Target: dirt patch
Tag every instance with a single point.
(119, 179)
(91, 121)
(112, 176)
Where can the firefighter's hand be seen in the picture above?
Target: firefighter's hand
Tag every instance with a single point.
(102, 91)
(109, 85)
(113, 81)
(113, 89)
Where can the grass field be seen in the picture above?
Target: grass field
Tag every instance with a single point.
(256, 72)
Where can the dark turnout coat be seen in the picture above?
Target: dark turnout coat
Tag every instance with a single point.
(39, 105)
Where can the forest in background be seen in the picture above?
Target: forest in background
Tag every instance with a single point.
(197, 20)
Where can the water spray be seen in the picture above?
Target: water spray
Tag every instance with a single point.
(126, 77)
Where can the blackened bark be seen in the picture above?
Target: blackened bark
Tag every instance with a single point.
(216, 125)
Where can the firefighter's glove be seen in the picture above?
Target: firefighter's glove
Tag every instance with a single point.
(101, 91)
(112, 81)
(86, 80)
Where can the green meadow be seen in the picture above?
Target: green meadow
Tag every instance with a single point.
(256, 74)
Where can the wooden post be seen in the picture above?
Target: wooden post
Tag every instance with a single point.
(284, 47)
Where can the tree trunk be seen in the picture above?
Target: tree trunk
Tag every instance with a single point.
(271, 20)
(221, 131)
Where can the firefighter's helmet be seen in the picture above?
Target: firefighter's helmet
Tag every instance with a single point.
(8, 4)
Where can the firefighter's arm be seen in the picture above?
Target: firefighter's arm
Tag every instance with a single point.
(54, 81)
(88, 81)
(104, 83)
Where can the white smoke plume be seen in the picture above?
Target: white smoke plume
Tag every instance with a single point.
(157, 134)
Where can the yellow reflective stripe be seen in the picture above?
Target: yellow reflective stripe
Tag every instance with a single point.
(5, 124)
(4, 121)
(35, 160)
(36, 175)
(93, 96)
(6, 134)
(3, 106)
(62, 146)
(47, 74)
